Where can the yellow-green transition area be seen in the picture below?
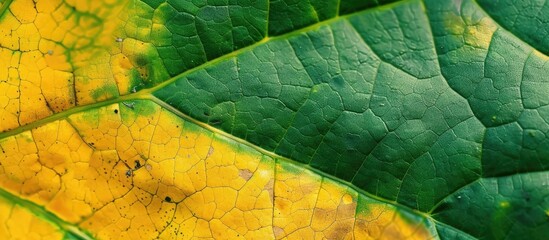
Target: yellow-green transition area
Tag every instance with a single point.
(60, 54)
(280, 119)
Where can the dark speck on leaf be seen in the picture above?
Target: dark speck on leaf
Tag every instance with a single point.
(116, 111)
(137, 164)
(168, 199)
(141, 61)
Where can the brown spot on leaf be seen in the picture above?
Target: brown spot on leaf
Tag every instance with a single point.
(269, 187)
(210, 152)
(245, 173)
(340, 231)
(278, 232)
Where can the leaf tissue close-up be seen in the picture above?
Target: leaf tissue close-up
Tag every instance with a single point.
(274, 119)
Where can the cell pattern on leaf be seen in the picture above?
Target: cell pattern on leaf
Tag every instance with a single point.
(225, 119)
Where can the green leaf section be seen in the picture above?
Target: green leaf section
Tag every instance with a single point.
(511, 207)
(525, 19)
(415, 102)
(187, 34)
(349, 6)
(287, 15)
(448, 232)
(500, 76)
(481, 62)
(400, 36)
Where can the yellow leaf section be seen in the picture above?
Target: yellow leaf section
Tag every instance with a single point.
(18, 223)
(134, 170)
(308, 206)
(57, 54)
(376, 220)
(185, 181)
(151, 175)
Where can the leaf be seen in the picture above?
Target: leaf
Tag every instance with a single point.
(273, 119)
